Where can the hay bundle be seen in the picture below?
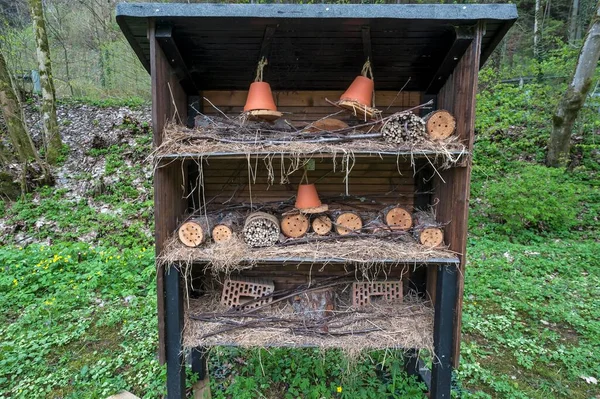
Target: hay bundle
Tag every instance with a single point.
(404, 127)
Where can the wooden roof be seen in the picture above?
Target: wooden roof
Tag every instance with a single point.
(313, 46)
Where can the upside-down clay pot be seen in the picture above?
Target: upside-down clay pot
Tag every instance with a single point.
(361, 90)
(260, 97)
(307, 197)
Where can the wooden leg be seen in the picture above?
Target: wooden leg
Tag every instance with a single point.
(173, 331)
(443, 331)
(202, 387)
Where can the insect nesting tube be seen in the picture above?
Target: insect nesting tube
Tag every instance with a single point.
(261, 230)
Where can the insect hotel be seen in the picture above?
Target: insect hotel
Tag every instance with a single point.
(312, 167)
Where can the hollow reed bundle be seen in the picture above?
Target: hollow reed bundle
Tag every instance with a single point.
(261, 230)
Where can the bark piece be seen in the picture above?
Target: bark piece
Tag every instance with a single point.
(315, 305)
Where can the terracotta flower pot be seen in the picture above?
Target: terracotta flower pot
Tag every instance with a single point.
(307, 197)
(260, 97)
(360, 90)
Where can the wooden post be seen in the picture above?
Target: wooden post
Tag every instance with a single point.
(458, 97)
(168, 199)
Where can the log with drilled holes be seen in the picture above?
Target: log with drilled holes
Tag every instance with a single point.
(439, 124)
(261, 230)
(294, 226)
(322, 225)
(347, 222)
(427, 230)
(196, 231)
(397, 218)
(225, 227)
(404, 127)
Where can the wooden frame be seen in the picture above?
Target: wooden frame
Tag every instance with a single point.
(451, 83)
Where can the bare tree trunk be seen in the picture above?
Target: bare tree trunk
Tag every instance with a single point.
(53, 141)
(573, 99)
(13, 116)
(573, 22)
(536, 29)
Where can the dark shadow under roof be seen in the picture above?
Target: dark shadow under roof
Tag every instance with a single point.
(314, 46)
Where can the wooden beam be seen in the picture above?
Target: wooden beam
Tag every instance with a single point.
(265, 46)
(166, 41)
(366, 39)
(464, 36)
(168, 101)
(458, 96)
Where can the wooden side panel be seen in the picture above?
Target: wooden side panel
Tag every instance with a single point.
(168, 203)
(307, 106)
(386, 181)
(458, 96)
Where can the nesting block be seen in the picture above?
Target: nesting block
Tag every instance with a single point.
(242, 290)
(364, 291)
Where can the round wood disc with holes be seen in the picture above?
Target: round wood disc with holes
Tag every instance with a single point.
(398, 218)
(322, 225)
(440, 125)
(294, 226)
(347, 223)
(431, 237)
(191, 234)
(222, 233)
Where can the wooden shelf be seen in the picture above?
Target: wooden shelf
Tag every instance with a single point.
(323, 154)
(398, 325)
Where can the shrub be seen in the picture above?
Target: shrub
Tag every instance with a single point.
(535, 198)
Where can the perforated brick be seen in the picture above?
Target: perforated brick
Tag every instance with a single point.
(387, 290)
(241, 290)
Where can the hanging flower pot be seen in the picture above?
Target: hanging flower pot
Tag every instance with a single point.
(260, 97)
(307, 197)
(259, 103)
(361, 91)
(358, 98)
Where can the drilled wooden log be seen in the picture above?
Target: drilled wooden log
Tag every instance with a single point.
(322, 225)
(439, 124)
(225, 227)
(397, 218)
(261, 230)
(195, 231)
(348, 222)
(404, 127)
(294, 226)
(427, 230)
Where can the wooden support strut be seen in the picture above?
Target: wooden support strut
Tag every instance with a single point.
(166, 41)
(464, 36)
